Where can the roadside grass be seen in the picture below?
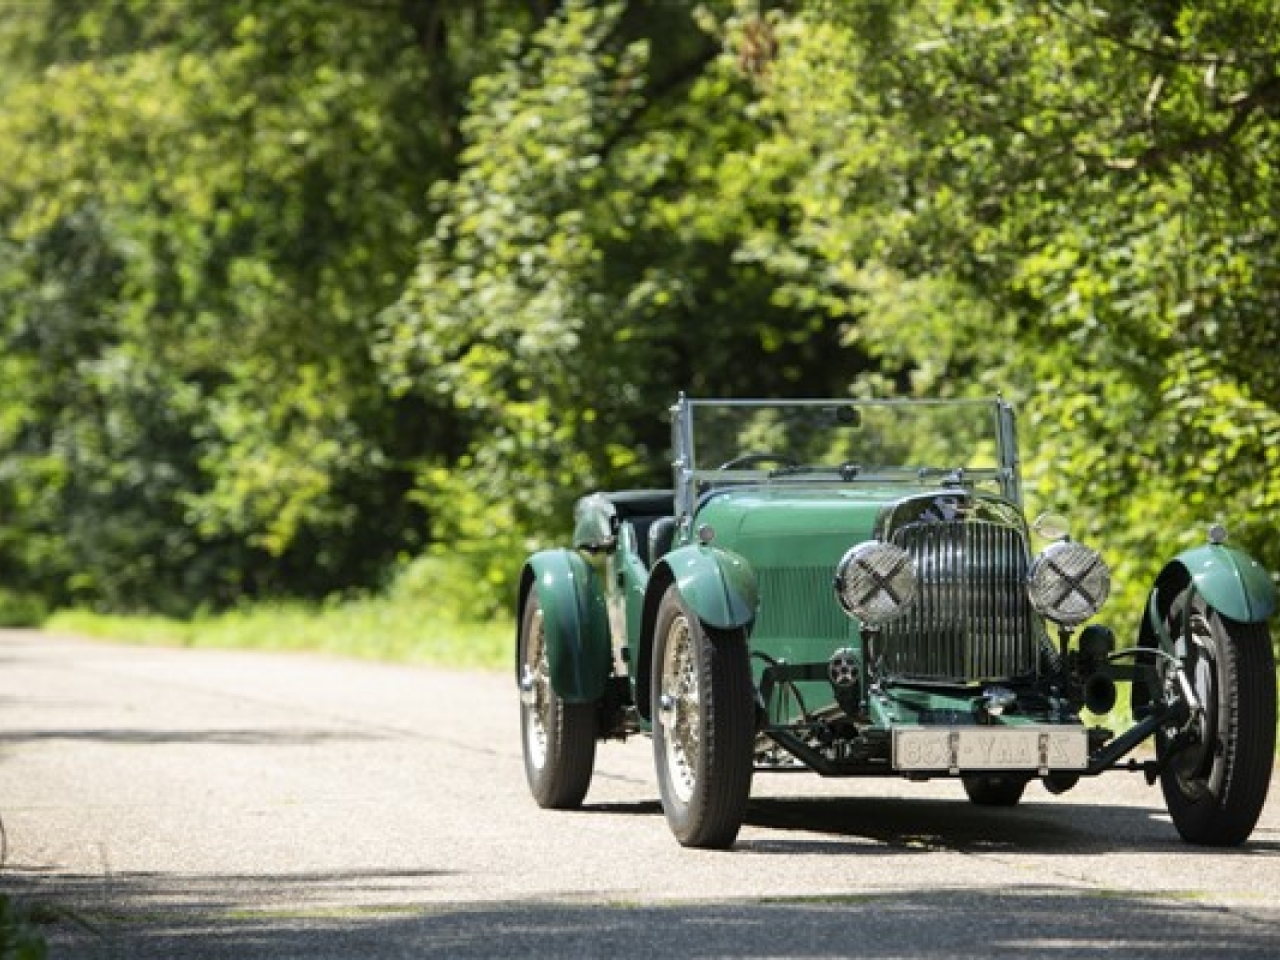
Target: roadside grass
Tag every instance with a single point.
(374, 628)
(19, 939)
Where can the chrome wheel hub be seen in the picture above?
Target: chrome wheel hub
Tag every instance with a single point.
(1199, 765)
(678, 709)
(535, 692)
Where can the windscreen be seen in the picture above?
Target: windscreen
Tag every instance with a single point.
(862, 437)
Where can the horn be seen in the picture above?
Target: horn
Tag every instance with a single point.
(1099, 693)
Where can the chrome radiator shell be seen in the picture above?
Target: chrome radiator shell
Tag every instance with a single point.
(971, 619)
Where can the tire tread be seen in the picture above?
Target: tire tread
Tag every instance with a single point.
(1228, 819)
(714, 814)
(564, 779)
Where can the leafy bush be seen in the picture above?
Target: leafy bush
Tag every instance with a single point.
(21, 608)
(19, 940)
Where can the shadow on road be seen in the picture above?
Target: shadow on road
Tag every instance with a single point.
(242, 737)
(958, 825)
(846, 826)
(146, 917)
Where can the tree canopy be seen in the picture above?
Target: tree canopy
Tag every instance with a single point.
(292, 293)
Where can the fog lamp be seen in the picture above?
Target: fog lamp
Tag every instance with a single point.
(875, 582)
(1068, 583)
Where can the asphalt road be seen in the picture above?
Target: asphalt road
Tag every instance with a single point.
(174, 804)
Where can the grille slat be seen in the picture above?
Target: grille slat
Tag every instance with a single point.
(971, 619)
(797, 603)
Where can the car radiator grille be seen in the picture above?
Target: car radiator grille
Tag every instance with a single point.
(971, 618)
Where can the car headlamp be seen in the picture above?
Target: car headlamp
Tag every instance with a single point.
(1068, 583)
(875, 582)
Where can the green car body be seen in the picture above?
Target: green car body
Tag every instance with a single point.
(873, 565)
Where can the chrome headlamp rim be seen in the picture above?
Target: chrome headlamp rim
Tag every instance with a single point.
(1068, 583)
(875, 582)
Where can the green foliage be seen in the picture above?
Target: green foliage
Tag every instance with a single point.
(19, 609)
(292, 292)
(203, 206)
(582, 272)
(19, 940)
(1068, 202)
(500, 319)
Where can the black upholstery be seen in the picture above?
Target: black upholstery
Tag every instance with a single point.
(641, 503)
(644, 509)
(661, 532)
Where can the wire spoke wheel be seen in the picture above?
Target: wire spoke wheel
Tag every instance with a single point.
(1216, 766)
(558, 738)
(535, 685)
(679, 709)
(703, 713)
(1198, 768)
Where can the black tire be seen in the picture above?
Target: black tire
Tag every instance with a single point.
(1215, 780)
(559, 739)
(991, 790)
(1059, 783)
(703, 726)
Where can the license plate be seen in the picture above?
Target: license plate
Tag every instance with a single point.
(957, 749)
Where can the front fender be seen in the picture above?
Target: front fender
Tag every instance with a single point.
(1230, 580)
(718, 585)
(576, 622)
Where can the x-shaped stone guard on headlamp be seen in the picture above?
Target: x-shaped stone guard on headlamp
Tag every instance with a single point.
(881, 582)
(1073, 583)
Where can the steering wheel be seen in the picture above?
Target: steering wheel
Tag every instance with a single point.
(751, 459)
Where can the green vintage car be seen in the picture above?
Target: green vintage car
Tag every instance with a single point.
(852, 588)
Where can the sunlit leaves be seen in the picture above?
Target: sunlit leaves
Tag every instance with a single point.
(282, 297)
(256, 177)
(1070, 202)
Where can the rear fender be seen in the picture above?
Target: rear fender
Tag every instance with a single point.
(576, 622)
(720, 588)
